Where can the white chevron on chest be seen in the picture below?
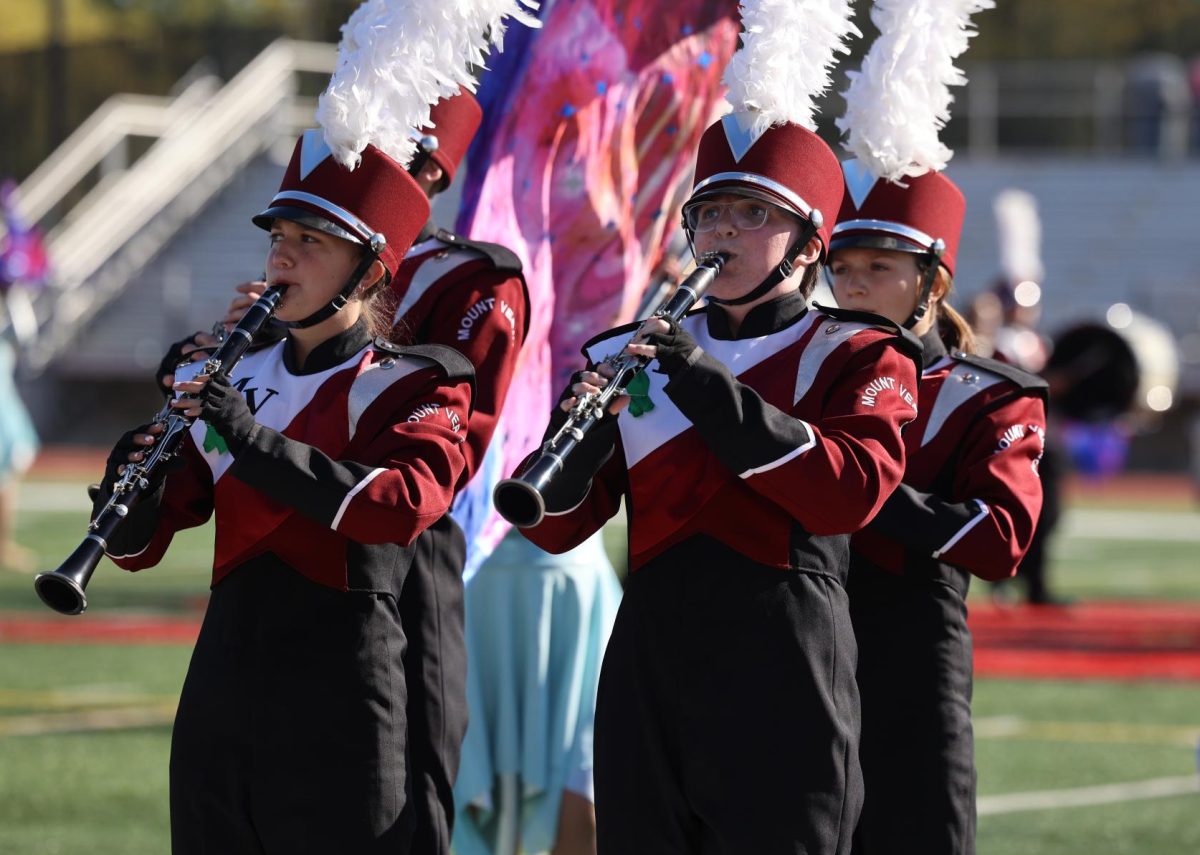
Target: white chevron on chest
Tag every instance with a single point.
(278, 395)
(644, 434)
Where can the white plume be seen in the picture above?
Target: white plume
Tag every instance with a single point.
(397, 58)
(900, 100)
(1020, 233)
(788, 48)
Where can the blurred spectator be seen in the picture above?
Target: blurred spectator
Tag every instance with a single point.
(1194, 84)
(18, 445)
(23, 266)
(1158, 104)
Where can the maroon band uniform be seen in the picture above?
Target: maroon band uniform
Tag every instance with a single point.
(728, 717)
(472, 297)
(292, 733)
(968, 505)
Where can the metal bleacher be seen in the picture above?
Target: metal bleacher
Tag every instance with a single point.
(153, 249)
(210, 143)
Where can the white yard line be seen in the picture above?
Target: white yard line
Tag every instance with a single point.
(1099, 732)
(49, 496)
(1105, 794)
(1183, 526)
(41, 724)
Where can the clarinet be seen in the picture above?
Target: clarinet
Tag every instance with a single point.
(521, 499)
(64, 589)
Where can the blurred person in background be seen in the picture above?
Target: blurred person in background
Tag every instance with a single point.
(23, 265)
(1005, 321)
(18, 447)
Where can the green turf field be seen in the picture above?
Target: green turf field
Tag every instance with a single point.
(84, 729)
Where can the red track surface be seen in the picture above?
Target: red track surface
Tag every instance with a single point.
(36, 628)
(1089, 641)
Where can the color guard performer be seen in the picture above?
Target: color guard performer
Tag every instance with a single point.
(766, 433)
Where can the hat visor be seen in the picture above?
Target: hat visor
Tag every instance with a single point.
(303, 217)
(875, 241)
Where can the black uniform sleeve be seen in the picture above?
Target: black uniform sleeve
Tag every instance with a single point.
(743, 430)
(412, 467)
(923, 521)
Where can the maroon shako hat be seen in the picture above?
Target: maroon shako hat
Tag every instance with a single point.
(453, 122)
(378, 197)
(786, 165)
(908, 217)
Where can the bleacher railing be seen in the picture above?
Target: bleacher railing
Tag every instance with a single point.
(204, 136)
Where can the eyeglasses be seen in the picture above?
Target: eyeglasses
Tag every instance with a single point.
(746, 214)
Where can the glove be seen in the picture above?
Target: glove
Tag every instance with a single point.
(171, 361)
(223, 407)
(676, 348)
(145, 512)
(118, 457)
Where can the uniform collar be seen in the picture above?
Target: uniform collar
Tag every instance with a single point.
(331, 352)
(763, 319)
(932, 346)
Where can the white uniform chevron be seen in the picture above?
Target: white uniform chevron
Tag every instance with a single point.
(265, 370)
(644, 434)
(962, 383)
(438, 265)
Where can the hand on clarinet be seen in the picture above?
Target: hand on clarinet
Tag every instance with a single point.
(220, 404)
(129, 450)
(248, 294)
(590, 383)
(194, 348)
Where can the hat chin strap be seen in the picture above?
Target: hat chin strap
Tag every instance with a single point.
(786, 267)
(374, 248)
(929, 269)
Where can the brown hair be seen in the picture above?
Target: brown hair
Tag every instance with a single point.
(379, 307)
(953, 329)
(811, 274)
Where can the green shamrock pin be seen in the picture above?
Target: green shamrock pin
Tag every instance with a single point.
(214, 442)
(639, 394)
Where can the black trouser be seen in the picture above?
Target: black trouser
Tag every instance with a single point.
(727, 716)
(431, 607)
(914, 673)
(291, 734)
(1033, 567)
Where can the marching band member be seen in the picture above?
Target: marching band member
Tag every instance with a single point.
(470, 296)
(727, 718)
(971, 494)
(332, 453)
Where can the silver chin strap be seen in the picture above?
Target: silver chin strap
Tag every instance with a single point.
(928, 274)
(375, 248)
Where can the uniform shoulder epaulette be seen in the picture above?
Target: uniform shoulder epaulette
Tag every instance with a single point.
(910, 343)
(1024, 379)
(501, 257)
(456, 366)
